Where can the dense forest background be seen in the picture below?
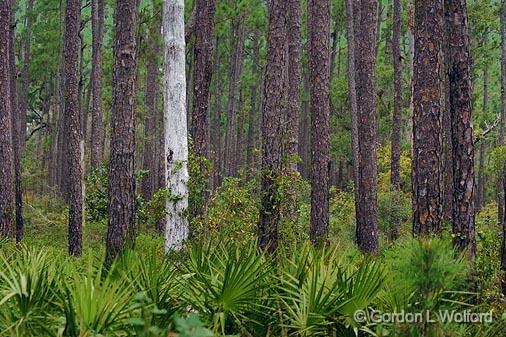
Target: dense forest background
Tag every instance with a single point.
(342, 155)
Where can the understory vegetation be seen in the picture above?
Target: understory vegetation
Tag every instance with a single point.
(222, 286)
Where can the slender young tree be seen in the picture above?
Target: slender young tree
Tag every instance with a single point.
(319, 77)
(122, 158)
(97, 23)
(367, 222)
(72, 120)
(176, 142)
(6, 178)
(16, 129)
(427, 141)
(271, 123)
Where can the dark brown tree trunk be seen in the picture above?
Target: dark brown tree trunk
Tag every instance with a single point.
(319, 60)
(367, 220)
(16, 129)
(149, 160)
(459, 62)
(6, 178)
(73, 126)
(396, 122)
(254, 93)
(216, 130)
(395, 165)
(447, 140)
(272, 110)
(203, 53)
(427, 141)
(97, 128)
(234, 82)
(503, 113)
(121, 227)
(294, 84)
(25, 76)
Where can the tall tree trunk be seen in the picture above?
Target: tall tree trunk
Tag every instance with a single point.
(272, 110)
(367, 221)
(73, 126)
(176, 142)
(149, 160)
(396, 122)
(122, 158)
(319, 60)
(16, 129)
(459, 61)
(294, 83)
(203, 53)
(25, 75)
(234, 82)
(427, 141)
(447, 166)
(97, 128)
(254, 99)
(395, 165)
(304, 133)
(6, 179)
(503, 113)
(216, 130)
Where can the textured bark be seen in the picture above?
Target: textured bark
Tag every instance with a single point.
(72, 124)
(304, 134)
(272, 110)
(501, 203)
(6, 177)
(319, 61)
(176, 143)
(216, 129)
(149, 160)
(25, 75)
(252, 116)
(396, 122)
(122, 158)
(447, 142)
(97, 129)
(16, 130)
(427, 141)
(459, 61)
(503, 112)
(367, 221)
(294, 83)
(203, 53)
(234, 82)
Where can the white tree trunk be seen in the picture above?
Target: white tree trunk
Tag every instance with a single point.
(176, 133)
